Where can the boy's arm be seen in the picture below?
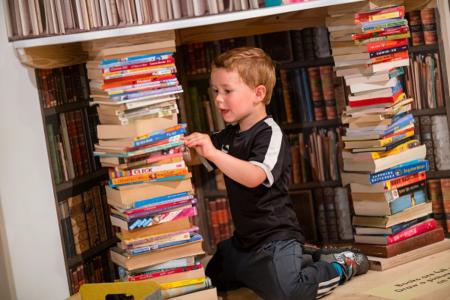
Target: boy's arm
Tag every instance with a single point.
(238, 170)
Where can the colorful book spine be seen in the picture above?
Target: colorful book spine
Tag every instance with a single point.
(408, 168)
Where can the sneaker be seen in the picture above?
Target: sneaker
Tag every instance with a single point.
(353, 263)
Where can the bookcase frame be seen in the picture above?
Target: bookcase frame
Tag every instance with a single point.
(57, 51)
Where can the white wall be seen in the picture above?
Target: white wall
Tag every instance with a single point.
(27, 208)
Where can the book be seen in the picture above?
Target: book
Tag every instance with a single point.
(371, 206)
(408, 168)
(414, 212)
(388, 230)
(132, 263)
(412, 231)
(126, 196)
(410, 244)
(135, 129)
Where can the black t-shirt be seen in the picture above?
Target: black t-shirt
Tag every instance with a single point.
(264, 213)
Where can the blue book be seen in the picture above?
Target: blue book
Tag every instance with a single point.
(407, 201)
(134, 95)
(134, 59)
(155, 200)
(146, 249)
(408, 168)
(155, 137)
(307, 96)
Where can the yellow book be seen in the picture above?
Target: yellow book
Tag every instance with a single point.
(175, 284)
(400, 148)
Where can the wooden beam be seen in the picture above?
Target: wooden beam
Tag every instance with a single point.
(288, 21)
(53, 56)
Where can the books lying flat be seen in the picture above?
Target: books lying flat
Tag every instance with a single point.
(381, 264)
(358, 185)
(412, 231)
(377, 165)
(207, 294)
(390, 230)
(126, 196)
(388, 207)
(135, 129)
(172, 275)
(131, 263)
(414, 212)
(163, 228)
(413, 243)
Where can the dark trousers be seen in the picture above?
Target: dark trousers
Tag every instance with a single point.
(274, 271)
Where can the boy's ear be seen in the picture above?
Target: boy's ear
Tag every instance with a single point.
(260, 92)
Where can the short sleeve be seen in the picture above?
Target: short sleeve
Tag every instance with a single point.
(268, 151)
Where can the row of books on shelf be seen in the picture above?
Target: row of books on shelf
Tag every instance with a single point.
(96, 269)
(69, 140)
(306, 95)
(383, 164)
(220, 224)
(61, 86)
(433, 132)
(422, 24)
(424, 81)
(285, 46)
(32, 18)
(84, 221)
(315, 156)
(149, 191)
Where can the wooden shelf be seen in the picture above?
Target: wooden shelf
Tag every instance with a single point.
(430, 111)
(198, 77)
(313, 124)
(78, 185)
(48, 112)
(78, 259)
(312, 185)
(424, 48)
(438, 174)
(176, 24)
(310, 63)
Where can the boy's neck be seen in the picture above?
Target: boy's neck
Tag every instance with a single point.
(248, 122)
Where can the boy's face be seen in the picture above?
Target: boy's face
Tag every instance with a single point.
(235, 100)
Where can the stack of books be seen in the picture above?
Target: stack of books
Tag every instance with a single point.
(141, 142)
(382, 161)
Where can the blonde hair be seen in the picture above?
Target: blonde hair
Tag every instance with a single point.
(253, 65)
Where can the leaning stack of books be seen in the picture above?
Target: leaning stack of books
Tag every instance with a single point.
(382, 161)
(141, 142)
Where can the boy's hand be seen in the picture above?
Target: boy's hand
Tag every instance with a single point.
(201, 143)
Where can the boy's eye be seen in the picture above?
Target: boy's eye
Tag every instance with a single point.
(227, 91)
(215, 91)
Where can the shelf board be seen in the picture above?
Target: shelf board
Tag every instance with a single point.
(430, 111)
(312, 185)
(78, 259)
(175, 24)
(424, 48)
(438, 174)
(310, 63)
(48, 112)
(77, 185)
(313, 124)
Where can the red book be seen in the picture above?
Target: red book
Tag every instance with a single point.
(380, 14)
(164, 273)
(380, 32)
(373, 101)
(382, 45)
(136, 80)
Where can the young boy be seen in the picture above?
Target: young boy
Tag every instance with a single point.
(265, 253)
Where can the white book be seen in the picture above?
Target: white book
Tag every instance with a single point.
(60, 16)
(109, 14)
(103, 13)
(138, 5)
(33, 17)
(244, 4)
(254, 4)
(169, 9)
(24, 17)
(176, 8)
(370, 86)
(221, 5)
(155, 11)
(213, 7)
(199, 7)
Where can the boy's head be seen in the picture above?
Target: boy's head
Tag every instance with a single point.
(253, 65)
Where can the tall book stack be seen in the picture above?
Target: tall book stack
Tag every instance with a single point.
(382, 161)
(140, 140)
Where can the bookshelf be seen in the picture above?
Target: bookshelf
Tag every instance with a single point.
(67, 188)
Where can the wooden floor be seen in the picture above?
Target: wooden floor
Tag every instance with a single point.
(425, 278)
